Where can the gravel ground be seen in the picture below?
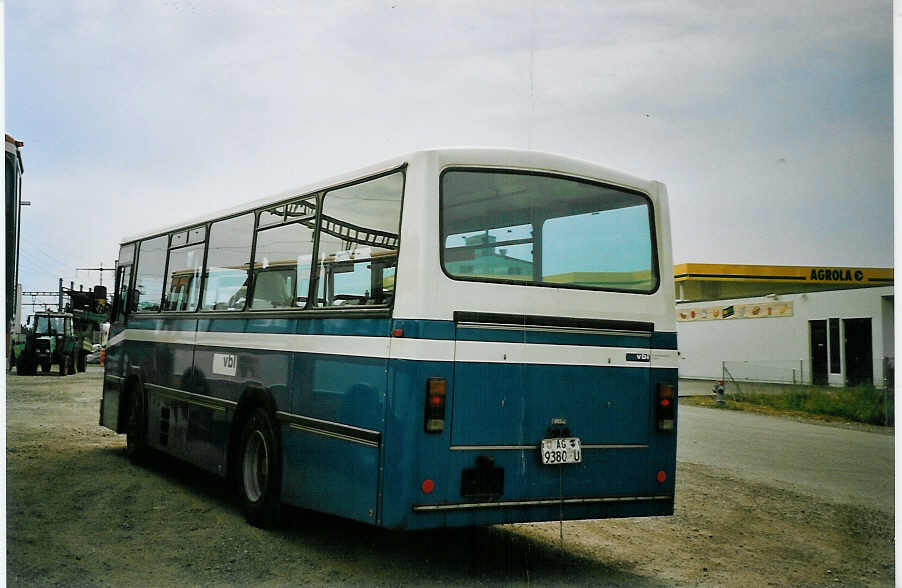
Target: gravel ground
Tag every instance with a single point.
(80, 514)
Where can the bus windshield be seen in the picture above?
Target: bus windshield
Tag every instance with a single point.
(505, 226)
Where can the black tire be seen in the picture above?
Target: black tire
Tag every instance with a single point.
(45, 367)
(24, 367)
(259, 472)
(12, 359)
(135, 429)
(82, 361)
(64, 365)
(72, 360)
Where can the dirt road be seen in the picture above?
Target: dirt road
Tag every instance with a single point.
(80, 514)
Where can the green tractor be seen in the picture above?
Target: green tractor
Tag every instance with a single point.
(50, 339)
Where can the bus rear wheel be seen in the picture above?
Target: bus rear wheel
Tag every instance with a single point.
(260, 470)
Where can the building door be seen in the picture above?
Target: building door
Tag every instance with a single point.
(859, 354)
(818, 352)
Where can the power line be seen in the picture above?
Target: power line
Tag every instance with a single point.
(34, 247)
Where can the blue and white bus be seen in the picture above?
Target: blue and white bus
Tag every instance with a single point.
(453, 337)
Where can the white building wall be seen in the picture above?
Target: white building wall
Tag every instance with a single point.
(705, 345)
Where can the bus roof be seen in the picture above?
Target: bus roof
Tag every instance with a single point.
(533, 160)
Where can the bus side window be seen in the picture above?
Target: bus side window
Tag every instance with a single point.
(149, 274)
(358, 241)
(228, 260)
(279, 266)
(122, 302)
(123, 279)
(183, 280)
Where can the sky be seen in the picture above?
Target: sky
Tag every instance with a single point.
(769, 122)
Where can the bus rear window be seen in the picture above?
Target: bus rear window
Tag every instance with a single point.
(526, 228)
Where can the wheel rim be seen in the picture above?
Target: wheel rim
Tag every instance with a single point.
(256, 466)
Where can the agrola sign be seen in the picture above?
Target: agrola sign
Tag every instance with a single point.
(825, 274)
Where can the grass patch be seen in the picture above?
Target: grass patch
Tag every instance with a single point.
(863, 404)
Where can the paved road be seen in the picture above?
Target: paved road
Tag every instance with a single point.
(695, 387)
(841, 465)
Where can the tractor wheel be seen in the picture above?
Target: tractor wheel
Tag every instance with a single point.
(82, 361)
(64, 365)
(25, 366)
(71, 363)
(12, 360)
(45, 366)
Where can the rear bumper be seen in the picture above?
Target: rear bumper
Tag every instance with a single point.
(538, 502)
(533, 511)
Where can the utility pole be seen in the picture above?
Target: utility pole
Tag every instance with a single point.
(19, 231)
(100, 269)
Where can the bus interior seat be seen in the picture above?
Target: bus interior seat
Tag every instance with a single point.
(274, 288)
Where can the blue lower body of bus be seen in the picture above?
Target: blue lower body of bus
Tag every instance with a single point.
(351, 415)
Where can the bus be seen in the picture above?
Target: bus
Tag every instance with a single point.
(453, 337)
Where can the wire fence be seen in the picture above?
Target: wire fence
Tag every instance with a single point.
(765, 371)
(781, 384)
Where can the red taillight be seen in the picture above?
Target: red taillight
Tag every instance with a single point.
(397, 333)
(664, 409)
(435, 405)
(662, 477)
(427, 486)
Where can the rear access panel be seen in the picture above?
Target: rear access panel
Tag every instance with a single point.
(516, 376)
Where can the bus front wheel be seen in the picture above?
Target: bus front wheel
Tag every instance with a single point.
(260, 470)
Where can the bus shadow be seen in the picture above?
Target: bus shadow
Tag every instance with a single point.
(487, 555)
(493, 555)
(189, 478)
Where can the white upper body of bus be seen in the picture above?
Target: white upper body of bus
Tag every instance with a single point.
(629, 286)
(517, 232)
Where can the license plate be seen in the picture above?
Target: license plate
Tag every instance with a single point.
(561, 451)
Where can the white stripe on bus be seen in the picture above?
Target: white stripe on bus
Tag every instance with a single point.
(413, 349)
